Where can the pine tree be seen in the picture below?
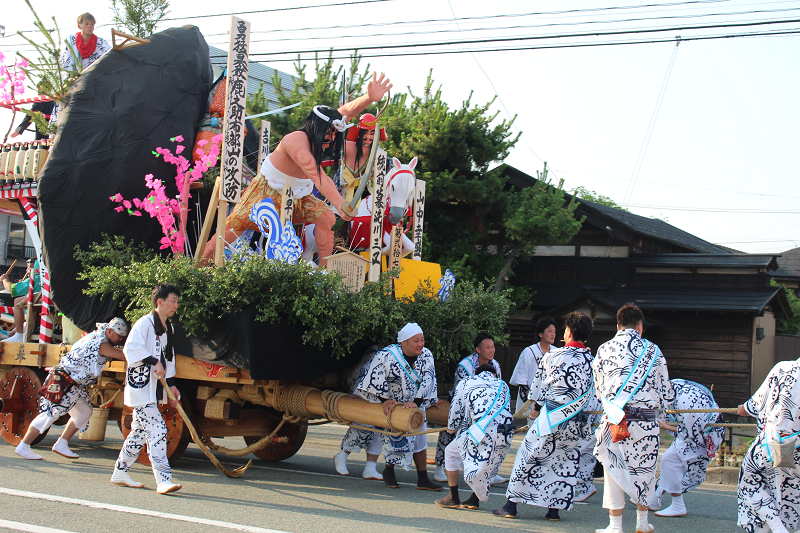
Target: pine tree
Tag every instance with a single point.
(139, 17)
(475, 225)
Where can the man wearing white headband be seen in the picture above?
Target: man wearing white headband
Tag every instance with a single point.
(83, 365)
(299, 155)
(402, 375)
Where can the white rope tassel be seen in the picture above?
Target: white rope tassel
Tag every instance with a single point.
(340, 124)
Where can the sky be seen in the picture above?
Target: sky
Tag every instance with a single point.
(703, 136)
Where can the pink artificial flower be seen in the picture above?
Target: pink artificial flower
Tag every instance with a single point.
(137, 213)
(216, 139)
(137, 202)
(179, 139)
(202, 142)
(118, 209)
(179, 149)
(196, 174)
(127, 204)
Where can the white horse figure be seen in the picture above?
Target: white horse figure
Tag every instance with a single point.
(400, 198)
(402, 184)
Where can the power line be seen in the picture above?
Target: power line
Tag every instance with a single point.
(503, 28)
(773, 33)
(715, 210)
(650, 127)
(277, 9)
(535, 37)
(683, 186)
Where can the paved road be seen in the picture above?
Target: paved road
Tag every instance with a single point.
(302, 494)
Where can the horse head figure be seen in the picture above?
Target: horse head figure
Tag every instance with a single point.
(400, 195)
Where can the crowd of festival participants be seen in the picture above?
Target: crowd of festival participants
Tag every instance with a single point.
(559, 388)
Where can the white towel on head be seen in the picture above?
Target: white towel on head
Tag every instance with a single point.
(408, 331)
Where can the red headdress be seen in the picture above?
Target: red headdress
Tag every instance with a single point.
(366, 122)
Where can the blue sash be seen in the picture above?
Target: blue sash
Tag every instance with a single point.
(412, 375)
(614, 408)
(547, 419)
(478, 429)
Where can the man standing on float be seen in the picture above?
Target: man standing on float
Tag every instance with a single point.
(299, 155)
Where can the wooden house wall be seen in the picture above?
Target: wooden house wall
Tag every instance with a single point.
(711, 349)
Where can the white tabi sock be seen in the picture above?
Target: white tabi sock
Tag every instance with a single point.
(614, 525)
(776, 525)
(676, 508)
(642, 525)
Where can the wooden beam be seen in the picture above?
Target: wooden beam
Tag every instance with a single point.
(206, 231)
(129, 40)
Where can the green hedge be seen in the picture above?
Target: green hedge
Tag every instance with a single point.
(294, 292)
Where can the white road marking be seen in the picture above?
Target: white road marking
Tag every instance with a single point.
(131, 510)
(19, 526)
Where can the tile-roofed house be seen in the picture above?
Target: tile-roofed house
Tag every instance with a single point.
(256, 73)
(788, 273)
(711, 309)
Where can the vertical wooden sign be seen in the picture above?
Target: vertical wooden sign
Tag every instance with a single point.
(263, 146)
(233, 132)
(287, 201)
(419, 218)
(376, 223)
(395, 248)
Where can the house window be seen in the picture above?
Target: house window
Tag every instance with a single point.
(19, 245)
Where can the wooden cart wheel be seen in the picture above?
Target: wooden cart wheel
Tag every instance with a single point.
(178, 436)
(20, 399)
(278, 451)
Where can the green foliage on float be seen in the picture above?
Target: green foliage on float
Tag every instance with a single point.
(297, 293)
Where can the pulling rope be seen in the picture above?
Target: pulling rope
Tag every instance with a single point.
(237, 472)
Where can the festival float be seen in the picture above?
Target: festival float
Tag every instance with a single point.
(265, 339)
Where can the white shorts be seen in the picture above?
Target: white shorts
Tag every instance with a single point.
(452, 457)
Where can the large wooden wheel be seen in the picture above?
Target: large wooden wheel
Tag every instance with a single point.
(296, 434)
(20, 402)
(178, 436)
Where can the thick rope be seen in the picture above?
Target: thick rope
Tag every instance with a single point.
(247, 450)
(330, 406)
(291, 399)
(215, 406)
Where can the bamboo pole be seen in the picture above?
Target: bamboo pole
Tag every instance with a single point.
(359, 411)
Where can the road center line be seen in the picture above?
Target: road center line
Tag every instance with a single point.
(131, 510)
(19, 526)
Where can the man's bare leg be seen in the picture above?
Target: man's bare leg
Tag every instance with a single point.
(324, 235)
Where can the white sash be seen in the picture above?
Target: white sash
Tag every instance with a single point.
(614, 408)
(547, 419)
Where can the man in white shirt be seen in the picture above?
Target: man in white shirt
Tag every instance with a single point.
(150, 356)
(530, 359)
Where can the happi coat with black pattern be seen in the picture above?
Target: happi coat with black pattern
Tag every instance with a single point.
(482, 399)
(389, 376)
(547, 467)
(631, 462)
(765, 492)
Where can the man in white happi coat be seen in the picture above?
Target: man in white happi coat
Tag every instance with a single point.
(150, 356)
(530, 358)
(483, 355)
(769, 481)
(684, 464)
(83, 364)
(403, 374)
(356, 438)
(548, 460)
(630, 375)
(481, 422)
